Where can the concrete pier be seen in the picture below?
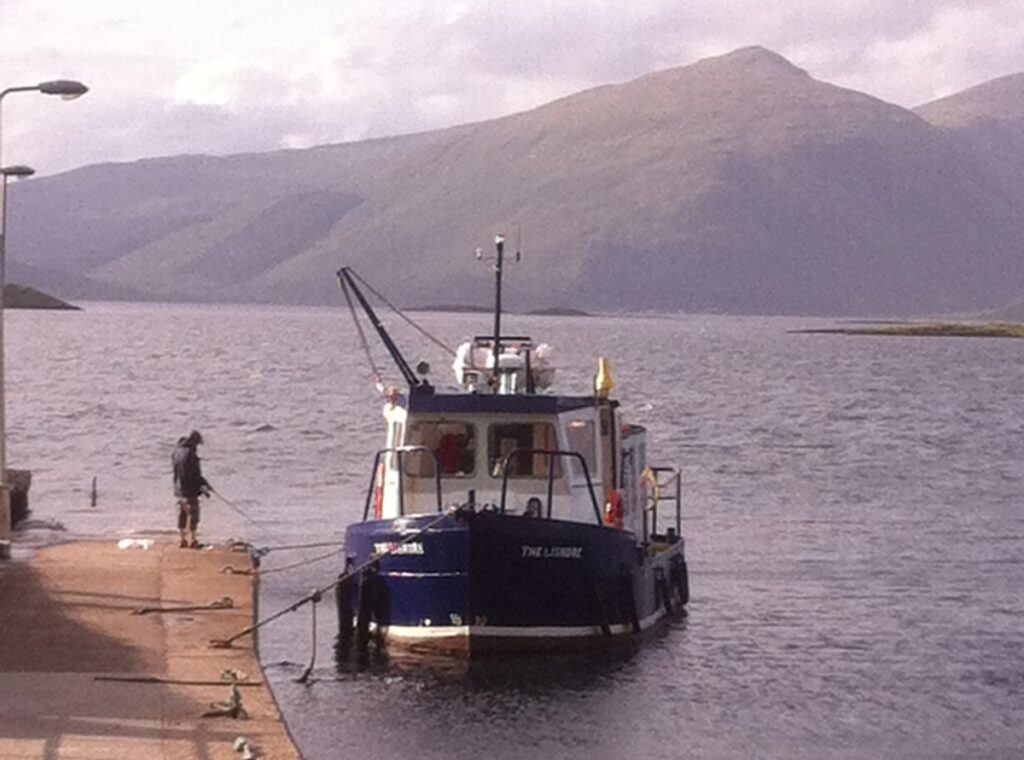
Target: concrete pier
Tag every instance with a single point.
(83, 676)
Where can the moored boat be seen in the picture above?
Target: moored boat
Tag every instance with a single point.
(502, 516)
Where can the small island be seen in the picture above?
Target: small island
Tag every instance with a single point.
(930, 329)
(452, 308)
(25, 297)
(550, 311)
(558, 311)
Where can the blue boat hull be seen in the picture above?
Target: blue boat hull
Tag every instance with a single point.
(482, 581)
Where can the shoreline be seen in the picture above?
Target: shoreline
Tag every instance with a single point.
(926, 330)
(105, 652)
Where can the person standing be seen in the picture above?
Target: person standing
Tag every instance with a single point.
(189, 485)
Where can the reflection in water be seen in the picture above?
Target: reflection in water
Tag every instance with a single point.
(525, 674)
(563, 705)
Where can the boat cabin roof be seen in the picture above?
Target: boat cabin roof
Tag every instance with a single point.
(473, 403)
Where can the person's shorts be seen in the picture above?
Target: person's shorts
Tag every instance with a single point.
(188, 506)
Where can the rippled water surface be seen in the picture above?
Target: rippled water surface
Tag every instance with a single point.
(853, 511)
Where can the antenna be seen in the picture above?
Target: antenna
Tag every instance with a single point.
(499, 248)
(498, 257)
(480, 255)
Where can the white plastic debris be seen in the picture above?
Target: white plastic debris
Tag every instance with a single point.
(247, 750)
(134, 543)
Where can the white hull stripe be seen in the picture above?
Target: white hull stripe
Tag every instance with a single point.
(425, 632)
(407, 574)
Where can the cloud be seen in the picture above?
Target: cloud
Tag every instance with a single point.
(200, 77)
(958, 48)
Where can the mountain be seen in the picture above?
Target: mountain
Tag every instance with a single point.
(989, 120)
(736, 184)
(999, 101)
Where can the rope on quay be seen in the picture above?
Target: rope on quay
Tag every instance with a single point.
(316, 594)
(224, 603)
(171, 681)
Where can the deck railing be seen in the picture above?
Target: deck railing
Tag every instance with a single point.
(401, 451)
(550, 454)
(659, 487)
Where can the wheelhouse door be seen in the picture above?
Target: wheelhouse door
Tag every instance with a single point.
(582, 436)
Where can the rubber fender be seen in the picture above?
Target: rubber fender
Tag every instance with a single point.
(681, 580)
(343, 602)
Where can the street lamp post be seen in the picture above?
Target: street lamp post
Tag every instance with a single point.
(18, 172)
(68, 90)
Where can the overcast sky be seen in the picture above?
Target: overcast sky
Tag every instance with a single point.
(225, 76)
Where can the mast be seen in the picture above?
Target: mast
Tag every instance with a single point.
(499, 244)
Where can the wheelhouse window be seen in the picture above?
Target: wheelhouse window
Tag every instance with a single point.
(454, 443)
(581, 439)
(505, 438)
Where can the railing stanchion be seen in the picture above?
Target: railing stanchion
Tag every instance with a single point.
(551, 482)
(551, 453)
(399, 452)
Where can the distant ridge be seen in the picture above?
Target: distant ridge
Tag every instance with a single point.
(74, 286)
(988, 121)
(736, 184)
(998, 100)
(24, 297)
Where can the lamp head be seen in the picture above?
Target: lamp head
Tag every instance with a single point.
(68, 89)
(18, 172)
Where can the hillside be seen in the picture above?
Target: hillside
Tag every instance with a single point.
(998, 101)
(24, 297)
(989, 120)
(735, 184)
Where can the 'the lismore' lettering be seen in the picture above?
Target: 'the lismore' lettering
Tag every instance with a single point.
(552, 552)
(393, 547)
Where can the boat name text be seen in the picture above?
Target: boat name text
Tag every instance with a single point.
(552, 552)
(393, 547)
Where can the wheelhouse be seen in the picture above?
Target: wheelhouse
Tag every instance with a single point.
(551, 457)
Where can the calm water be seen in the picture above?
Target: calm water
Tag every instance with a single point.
(853, 509)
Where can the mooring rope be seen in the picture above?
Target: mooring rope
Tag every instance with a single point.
(256, 552)
(291, 547)
(317, 593)
(312, 657)
(300, 563)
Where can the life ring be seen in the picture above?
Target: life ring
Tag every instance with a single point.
(614, 511)
(651, 488)
(378, 492)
